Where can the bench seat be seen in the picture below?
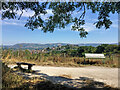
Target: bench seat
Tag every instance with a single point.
(22, 63)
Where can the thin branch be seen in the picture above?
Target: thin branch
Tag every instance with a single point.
(20, 15)
(83, 14)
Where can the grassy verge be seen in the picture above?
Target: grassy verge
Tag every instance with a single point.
(68, 61)
(10, 79)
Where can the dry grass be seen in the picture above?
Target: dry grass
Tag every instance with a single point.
(11, 80)
(68, 61)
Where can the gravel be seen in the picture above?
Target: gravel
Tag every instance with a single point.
(106, 75)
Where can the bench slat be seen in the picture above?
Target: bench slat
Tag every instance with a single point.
(25, 63)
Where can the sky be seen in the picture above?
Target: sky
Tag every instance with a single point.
(13, 31)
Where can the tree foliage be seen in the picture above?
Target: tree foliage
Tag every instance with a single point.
(64, 51)
(62, 14)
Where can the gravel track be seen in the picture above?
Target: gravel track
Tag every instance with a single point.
(106, 75)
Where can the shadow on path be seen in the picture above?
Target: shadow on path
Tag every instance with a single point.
(61, 82)
(83, 83)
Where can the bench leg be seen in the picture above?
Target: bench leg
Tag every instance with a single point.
(19, 66)
(29, 67)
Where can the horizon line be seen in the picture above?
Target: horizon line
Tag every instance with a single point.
(63, 43)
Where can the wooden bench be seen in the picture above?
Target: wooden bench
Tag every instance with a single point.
(21, 63)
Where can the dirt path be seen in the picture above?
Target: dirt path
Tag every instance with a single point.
(101, 74)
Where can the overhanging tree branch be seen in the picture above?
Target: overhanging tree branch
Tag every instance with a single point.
(61, 14)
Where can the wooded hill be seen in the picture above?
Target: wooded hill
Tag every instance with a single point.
(33, 46)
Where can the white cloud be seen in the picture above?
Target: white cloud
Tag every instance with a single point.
(9, 23)
(88, 27)
(46, 16)
(114, 25)
(14, 22)
(26, 13)
(31, 13)
(49, 12)
(21, 22)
